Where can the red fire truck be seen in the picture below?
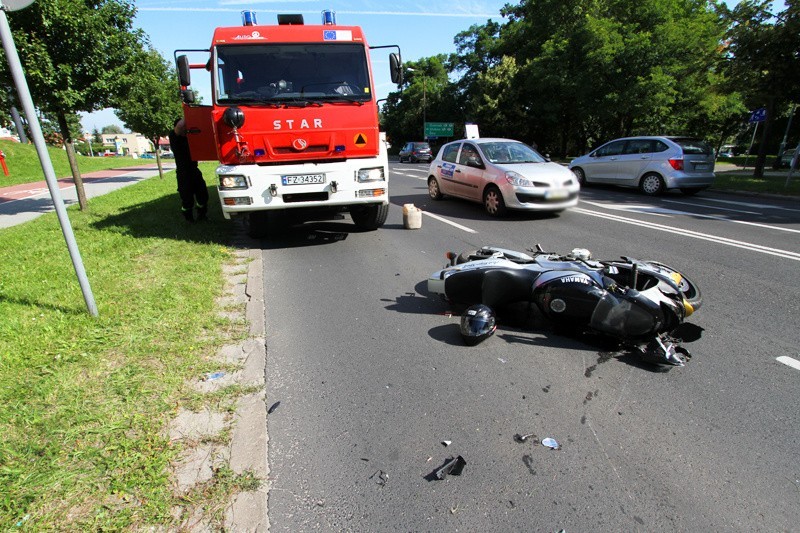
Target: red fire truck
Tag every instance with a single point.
(293, 120)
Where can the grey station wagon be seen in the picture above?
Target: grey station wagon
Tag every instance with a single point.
(653, 164)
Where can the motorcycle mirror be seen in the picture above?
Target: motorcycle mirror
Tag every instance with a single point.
(451, 256)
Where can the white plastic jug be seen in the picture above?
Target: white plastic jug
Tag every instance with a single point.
(412, 216)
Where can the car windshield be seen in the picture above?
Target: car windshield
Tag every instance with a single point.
(294, 73)
(422, 146)
(503, 152)
(693, 146)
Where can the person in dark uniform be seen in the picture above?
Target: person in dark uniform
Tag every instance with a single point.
(191, 185)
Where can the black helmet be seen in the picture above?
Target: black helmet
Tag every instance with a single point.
(477, 323)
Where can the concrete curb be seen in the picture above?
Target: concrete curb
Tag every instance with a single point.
(246, 452)
(248, 510)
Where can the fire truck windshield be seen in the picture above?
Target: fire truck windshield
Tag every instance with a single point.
(291, 73)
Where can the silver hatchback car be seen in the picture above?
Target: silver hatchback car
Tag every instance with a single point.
(653, 164)
(501, 174)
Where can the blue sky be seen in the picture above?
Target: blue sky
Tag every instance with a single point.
(421, 29)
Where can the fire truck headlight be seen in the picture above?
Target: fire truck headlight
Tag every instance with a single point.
(370, 174)
(228, 182)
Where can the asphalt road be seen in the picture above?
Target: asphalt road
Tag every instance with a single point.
(372, 377)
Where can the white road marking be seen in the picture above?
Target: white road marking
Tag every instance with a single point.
(695, 204)
(446, 221)
(795, 256)
(794, 363)
(660, 211)
(748, 204)
(648, 209)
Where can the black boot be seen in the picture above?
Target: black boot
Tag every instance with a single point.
(202, 213)
(187, 214)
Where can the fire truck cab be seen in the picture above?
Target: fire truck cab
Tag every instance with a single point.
(293, 120)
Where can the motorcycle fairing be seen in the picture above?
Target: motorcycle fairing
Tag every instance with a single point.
(567, 296)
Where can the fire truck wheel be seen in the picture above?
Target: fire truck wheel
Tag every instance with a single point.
(369, 217)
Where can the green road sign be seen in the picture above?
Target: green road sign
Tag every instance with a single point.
(438, 129)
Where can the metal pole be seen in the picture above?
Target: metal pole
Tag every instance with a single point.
(792, 166)
(20, 126)
(753, 140)
(24, 94)
(786, 133)
(424, 109)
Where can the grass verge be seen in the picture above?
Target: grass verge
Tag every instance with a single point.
(744, 181)
(24, 166)
(85, 401)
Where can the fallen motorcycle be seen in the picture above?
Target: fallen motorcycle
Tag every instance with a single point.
(639, 303)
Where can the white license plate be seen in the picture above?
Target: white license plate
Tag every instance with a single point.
(702, 166)
(556, 194)
(303, 179)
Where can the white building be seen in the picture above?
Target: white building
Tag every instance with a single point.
(127, 143)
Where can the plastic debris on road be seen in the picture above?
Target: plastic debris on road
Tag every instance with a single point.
(525, 438)
(551, 443)
(273, 407)
(381, 477)
(215, 375)
(452, 466)
(446, 442)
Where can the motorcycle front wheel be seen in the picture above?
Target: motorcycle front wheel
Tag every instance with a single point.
(688, 288)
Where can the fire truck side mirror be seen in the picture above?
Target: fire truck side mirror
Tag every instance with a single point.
(396, 69)
(187, 95)
(183, 71)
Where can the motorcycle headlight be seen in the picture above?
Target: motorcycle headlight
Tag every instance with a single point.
(518, 180)
(370, 174)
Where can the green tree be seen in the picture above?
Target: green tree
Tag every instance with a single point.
(764, 59)
(75, 54)
(569, 73)
(112, 129)
(427, 96)
(150, 104)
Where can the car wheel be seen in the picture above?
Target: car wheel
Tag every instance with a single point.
(580, 175)
(412, 159)
(493, 201)
(652, 184)
(433, 189)
(691, 191)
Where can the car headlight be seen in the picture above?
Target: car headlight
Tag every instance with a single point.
(518, 180)
(233, 181)
(370, 174)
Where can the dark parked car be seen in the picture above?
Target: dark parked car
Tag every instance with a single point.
(416, 151)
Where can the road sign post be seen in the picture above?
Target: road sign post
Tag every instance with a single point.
(15, 66)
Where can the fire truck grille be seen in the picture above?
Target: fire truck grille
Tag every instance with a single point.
(314, 148)
(305, 197)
